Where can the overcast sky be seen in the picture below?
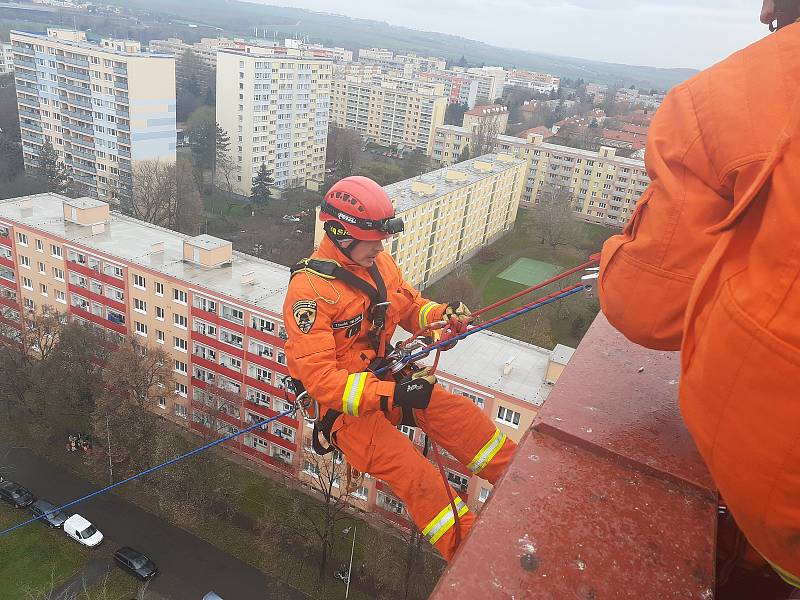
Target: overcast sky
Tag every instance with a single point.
(661, 33)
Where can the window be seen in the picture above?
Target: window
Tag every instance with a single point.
(30, 304)
(204, 352)
(58, 274)
(180, 344)
(55, 250)
(204, 304)
(232, 314)
(159, 313)
(479, 402)
(260, 349)
(483, 494)
(259, 373)
(179, 296)
(281, 454)
(180, 321)
(159, 288)
(141, 328)
(258, 397)
(113, 270)
(392, 504)
(61, 297)
(139, 305)
(281, 357)
(262, 324)
(27, 283)
(231, 338)
(139, 282)
(42, 268)
(362, 493)
(409, 431)
(24, 261)
(231, 362)
(458, 481)
(508, 416)
(181, 390)
(181, 367)
(22, 239)
(204, 328)
(202, 374)
(259, 444)
(310, 468)
(284, 432)
(115, 294)
(160, 337)
(162, 402)
(43, 289)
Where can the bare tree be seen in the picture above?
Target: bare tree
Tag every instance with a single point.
(189, 208)
(484, 135)
(155, 196)
(329, 478)
(555, 215)
(343, 145)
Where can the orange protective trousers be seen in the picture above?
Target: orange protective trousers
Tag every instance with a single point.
(374, 445)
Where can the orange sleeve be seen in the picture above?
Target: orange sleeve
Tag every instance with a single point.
(647, 272)
(417, 311)
(311, 356)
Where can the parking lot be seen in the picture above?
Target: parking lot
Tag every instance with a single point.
(188, 566)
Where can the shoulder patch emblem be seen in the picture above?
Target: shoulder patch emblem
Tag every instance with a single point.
(305, 313)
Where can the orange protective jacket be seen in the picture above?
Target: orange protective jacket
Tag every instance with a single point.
(327, 322)
(710, 264)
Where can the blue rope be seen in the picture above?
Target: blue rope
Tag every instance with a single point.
(171, 461)
(260, 424)
(461, 336)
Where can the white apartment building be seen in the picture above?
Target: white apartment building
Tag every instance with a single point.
(491, 81)
(6, 58)
(276, 110)
(540, 82)
(391, 112)
(405, 65)
(102, 107)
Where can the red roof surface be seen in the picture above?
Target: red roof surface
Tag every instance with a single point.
(483, 109)
(541, 130)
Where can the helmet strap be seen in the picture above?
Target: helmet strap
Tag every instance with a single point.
(332, 230)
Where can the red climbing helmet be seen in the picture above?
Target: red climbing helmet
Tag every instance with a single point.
(362, 207)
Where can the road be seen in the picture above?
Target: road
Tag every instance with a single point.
(189, 567)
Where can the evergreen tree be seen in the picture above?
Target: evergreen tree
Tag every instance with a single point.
(344, 166)
(50, 171)
(464, 154)
(260, 193)
(222, 142)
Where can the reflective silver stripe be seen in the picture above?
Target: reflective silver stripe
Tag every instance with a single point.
(488, 452)
(442, 522)
(423, 314)
(351, 399)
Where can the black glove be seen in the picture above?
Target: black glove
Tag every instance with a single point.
(415, 391)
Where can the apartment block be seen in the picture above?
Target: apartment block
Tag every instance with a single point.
(491, 81)
(406, 65)
(606, 187)
(391, 112)
(6, 58)
(491, 116)
(102, 107)
(451, 213)
(276, 110)
(459, 88)
(205, 51)
(217, 314)
(540, 82)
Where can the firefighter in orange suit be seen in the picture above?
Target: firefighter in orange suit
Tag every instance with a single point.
(342, 307)
(710, 264)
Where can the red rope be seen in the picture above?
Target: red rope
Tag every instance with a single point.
(456, 520)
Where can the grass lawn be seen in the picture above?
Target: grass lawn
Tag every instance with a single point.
(116, 585)
(34, 556)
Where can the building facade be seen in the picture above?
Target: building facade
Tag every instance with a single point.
(540, 82)
(276, 110)
(452, 213)
(392, 112)
(605, 187)
(6, 58)
(217, 314)
(458, 87)
(102, 107)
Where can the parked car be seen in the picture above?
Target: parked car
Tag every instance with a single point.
(82, 531)
(41, 508)
(135, 563)
(291, 218)
(15, 494)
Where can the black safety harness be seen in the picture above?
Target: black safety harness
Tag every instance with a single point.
(376, 313)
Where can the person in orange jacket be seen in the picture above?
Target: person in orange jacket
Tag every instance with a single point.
(342, 306)
(710, 264)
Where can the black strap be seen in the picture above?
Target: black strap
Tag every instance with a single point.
(324, 427)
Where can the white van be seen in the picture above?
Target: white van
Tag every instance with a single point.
(82, 531)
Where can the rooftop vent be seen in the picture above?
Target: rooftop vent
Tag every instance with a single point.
(98, 228)
(249, 278)
(508, 365)
(454, 176)
(207, 251)
(482, 166)
(157, 248)
(86, 211)
(422, 188)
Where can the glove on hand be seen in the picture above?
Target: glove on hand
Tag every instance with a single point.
(415, 391)
(458, 311)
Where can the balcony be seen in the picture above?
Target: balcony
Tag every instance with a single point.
(606, 497)
(78, 62)
(73, 74)
(87, 91)
(79, 128)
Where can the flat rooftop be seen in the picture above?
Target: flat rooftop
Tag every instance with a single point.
(404, 199)
(132, 240)
(87, 45)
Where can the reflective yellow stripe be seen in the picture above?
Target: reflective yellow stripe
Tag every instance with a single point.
(487, 453)
(352, 393)
(785, 575)
(442, 522)
(423, 314)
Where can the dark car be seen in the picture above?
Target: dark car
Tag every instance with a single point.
(41, 508)
(15, 494)
(135, 563)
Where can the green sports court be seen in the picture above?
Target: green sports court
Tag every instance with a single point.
(527, 271)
